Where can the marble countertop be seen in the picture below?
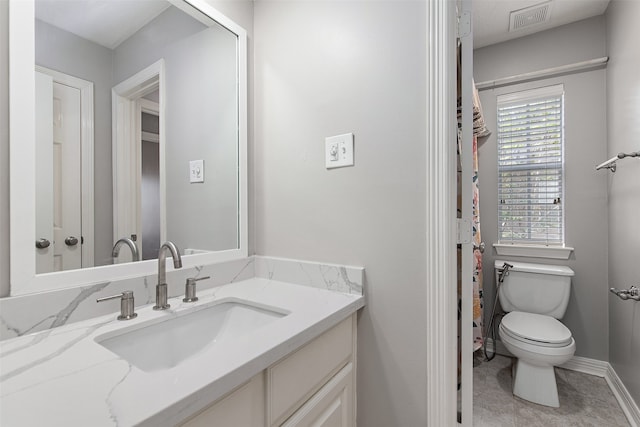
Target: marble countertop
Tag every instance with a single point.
(62, 377)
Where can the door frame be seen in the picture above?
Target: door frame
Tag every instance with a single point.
(441, 284)
(127, 149)
(87, 157)
(465, 239)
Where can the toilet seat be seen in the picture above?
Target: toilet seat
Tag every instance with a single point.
(536, 329)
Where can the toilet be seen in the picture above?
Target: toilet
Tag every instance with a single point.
(535, 296)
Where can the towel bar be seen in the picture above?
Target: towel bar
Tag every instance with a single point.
(611, 163)
(631, 293)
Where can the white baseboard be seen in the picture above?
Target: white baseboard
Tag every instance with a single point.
(629, 406)
(587, 366)
(595, 367)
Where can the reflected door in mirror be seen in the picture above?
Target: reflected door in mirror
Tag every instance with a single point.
(58, 175)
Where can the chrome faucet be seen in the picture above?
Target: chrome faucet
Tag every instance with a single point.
(135, 255)
(127, 305)
(161, 287)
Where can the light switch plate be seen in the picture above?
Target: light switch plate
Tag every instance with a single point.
(196, 171)
(339, 151)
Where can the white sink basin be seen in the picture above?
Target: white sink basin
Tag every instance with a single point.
(162, 345)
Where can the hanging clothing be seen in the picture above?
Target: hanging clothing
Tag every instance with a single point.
(477, 256)
(479, 130)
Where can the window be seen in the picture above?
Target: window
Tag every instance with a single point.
(530, 167)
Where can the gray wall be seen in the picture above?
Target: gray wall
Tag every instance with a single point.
(148, 44)
(623, 109)
(73, 55)
(323, 69)
(4, 148)
(585, 189)
(563, 45)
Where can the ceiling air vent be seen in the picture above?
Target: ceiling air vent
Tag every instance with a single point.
(530, 16)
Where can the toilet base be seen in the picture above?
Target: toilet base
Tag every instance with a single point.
(536, 384)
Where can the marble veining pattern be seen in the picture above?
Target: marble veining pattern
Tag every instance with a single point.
(585, 400)
(26, 314)
(46, 356)
(62, 316)
(332, 277)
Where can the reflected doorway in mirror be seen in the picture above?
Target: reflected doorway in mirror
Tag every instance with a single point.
(64, 171)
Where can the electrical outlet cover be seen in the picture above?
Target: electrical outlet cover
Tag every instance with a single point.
(339, 151)
(196, 171)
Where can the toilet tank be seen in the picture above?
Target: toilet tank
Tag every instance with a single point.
(535, 288)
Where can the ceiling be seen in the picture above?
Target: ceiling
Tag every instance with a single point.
(110, 22)
(105, 22)
(491, 17)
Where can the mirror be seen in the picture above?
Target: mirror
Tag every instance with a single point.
(137, 130)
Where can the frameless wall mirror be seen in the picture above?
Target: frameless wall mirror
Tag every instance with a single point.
(128, 128)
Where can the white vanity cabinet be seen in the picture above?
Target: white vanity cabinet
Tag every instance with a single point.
(244, 407)
(296, 384)
(314, 385)
(332, 406)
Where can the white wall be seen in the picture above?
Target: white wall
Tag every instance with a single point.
(585, 189)
(623, 112)
(4, 148)
(327, 68)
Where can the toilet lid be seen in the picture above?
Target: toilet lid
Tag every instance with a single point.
(536, 327)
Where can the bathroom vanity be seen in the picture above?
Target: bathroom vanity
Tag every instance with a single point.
(314, 383)
(290, 360)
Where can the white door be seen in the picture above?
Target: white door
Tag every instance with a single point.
(59, 177)
(44, 172)
(67, 178)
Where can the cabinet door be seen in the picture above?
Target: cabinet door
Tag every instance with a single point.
(331, 406)
(244, 407)
(295, 379)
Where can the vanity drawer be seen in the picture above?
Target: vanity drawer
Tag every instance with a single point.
(295, 378)
(243, 407)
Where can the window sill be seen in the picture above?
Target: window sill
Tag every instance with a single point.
(534, 251)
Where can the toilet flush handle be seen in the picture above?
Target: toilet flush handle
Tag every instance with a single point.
(504, 271)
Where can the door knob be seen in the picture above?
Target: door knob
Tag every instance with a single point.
(42, 243)
(71, 241)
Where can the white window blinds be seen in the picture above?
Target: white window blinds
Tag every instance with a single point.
(530, 167)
